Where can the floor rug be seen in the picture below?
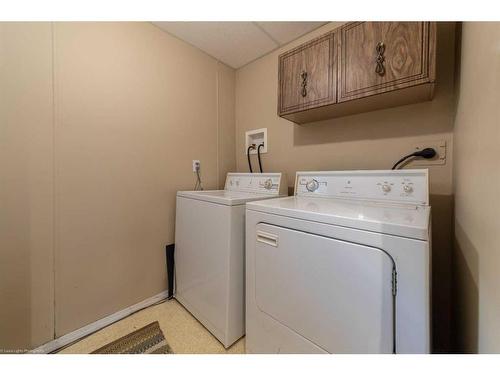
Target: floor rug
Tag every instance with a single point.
(145, 340)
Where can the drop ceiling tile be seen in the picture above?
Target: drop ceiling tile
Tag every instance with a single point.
(284, 32)
(234, 43)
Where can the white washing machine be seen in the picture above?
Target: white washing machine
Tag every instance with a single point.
(209, 250)
(342, 266)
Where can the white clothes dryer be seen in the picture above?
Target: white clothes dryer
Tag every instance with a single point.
(343, 266)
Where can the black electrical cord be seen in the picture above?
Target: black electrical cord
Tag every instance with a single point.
(258, 156)
(426, 153)
(251, 147)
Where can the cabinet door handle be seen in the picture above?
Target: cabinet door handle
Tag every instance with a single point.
(380, 68)
(303, 75)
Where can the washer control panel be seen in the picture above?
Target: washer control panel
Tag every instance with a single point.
(409, 185)
(263, 183)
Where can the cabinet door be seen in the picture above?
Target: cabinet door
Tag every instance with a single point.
(307, 76)
(377, 57)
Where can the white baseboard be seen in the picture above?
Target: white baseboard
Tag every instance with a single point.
(97, 325)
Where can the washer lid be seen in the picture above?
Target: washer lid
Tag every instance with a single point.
(403, 220)
(243, 187)
(226, 197)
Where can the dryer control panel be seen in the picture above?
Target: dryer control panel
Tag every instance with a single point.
(405, 186)
(261, 183)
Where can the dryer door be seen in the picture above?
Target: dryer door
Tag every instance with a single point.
(336, 294)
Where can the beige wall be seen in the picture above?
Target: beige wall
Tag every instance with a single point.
(90, 162)
(477, 183)
(373, 140)
(226, 131)
(26, 185)
(133, 106)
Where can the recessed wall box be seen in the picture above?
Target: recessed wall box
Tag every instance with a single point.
(256, 137)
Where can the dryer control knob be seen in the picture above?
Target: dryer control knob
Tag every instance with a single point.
(408, 188)
(268, 184)
(312, 185)
(386, 188)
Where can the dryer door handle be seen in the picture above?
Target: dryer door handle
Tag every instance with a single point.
(267, 238)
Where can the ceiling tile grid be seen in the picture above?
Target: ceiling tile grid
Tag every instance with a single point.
(238, 43)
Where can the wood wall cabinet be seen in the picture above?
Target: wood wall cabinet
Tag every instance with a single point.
(370, 65)
(307, 75)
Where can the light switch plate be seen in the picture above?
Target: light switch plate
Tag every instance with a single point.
(439, 159)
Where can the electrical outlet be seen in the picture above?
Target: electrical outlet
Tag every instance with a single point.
(196, 165)
(439, 159)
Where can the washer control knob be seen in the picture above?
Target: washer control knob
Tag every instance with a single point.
(408, 188)
(312, 185)
(386, 188)
(268, 184)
